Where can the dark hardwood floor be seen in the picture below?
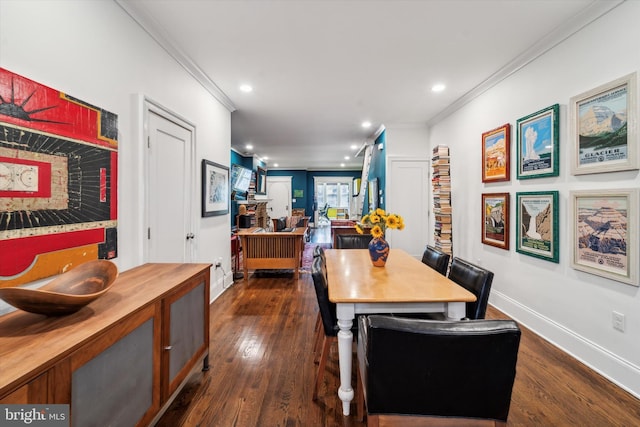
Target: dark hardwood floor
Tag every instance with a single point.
(262, 370)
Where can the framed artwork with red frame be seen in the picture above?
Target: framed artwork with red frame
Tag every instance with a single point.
(496, 160)
(495, 220)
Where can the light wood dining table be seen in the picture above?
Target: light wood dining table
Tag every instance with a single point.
(404, 285)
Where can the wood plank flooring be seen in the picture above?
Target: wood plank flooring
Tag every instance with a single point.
(262, 371)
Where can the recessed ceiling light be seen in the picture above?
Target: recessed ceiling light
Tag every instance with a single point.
(275, 165)
(347, 157)
(341, 164)
(354, 146)
(246, 88)
(366, 125)
(249, 146)
(265, 158)
(439, 87)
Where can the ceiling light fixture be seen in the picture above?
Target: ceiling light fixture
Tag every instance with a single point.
(347, 157)
(366, 125)
(354, 146)
(246, 88)
(275, 165)
(438, 87)
(341, 164)
(249, 146)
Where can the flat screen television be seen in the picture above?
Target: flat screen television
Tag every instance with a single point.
(240, 178)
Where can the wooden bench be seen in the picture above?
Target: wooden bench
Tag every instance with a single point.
(272, 250)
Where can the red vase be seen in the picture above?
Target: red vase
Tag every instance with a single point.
(378, 251)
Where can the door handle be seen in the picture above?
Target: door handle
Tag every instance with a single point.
(190, 236)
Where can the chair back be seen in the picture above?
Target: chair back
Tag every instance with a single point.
(352, 241)
(462, 369)
(318, 251)
(326, 307)
(475, 279)
(436, 259)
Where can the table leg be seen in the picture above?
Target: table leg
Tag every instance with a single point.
(345, 355)
(456, 310)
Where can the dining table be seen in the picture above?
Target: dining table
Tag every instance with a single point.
(403, 285)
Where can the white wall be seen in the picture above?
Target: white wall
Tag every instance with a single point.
(570, 308)
(94, 51)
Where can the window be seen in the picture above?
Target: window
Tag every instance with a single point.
(334, 192)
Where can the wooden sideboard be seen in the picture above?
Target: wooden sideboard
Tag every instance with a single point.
(120, 360)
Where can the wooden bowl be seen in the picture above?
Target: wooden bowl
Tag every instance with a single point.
(67, 293)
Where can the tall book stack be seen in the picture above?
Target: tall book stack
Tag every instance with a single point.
(441, 183)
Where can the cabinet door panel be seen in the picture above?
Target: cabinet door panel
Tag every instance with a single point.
(186, 313)
(116, 386)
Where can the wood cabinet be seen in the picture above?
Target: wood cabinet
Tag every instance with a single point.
(123, 358)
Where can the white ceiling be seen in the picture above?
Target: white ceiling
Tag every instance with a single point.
(321, 68)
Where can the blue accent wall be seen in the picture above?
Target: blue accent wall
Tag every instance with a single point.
(301, 180)
(377, 169)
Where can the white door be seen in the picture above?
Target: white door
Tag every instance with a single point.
(169, 188)
(408, 196)
(279, 195)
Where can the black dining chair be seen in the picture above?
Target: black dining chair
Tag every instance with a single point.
(476, 280)
(353, 241)
(436, 259)
(425, 372)
(473, 278)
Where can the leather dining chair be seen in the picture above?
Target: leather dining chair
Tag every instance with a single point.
(436, 259)
(353, 241)
(476, 280)
(425, 372)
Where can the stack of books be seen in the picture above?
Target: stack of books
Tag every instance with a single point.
(441, 183)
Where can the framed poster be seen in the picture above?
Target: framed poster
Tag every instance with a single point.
(495, 219)
(537, 222)
(603, 128)
(605, 234)
(496, 154)
(537, 144)
(215, 189)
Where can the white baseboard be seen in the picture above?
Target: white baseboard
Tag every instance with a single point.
(618, 370)
(219, 284)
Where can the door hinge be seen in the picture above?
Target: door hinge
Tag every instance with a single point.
(149, 142)
(149, 233)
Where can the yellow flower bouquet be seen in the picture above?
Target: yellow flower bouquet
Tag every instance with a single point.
(379, 221)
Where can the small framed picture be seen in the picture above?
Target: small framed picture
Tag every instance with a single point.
(537, 222)
(495, 219)
(605, 234)
(215, 189)
(603, 128)
(537, 144)
(496, 154)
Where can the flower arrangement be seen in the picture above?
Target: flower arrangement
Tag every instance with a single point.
(380, 221)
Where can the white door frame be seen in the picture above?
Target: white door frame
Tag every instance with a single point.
(149, 105)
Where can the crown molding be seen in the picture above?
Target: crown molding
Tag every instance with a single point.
(568, 28)
(151, 27)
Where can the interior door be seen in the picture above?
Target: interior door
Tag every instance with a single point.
(408, 195)
(169, 189)
(279, 195)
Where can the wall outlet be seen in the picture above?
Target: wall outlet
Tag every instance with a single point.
(218, 262)
(618, 321)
